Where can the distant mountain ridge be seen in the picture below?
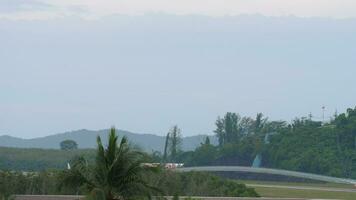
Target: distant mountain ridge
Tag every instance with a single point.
(87, 139)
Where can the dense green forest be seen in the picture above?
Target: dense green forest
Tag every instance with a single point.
(310, 146)
(303, 145)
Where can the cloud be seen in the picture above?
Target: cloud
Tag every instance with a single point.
(304, 8)
(99, 8)
(12, 6)
(40, 9)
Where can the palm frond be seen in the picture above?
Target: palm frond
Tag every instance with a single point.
(78, 175)
(118, 172)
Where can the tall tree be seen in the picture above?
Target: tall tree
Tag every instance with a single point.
(175, 141)
(117, 172)
(207, 140)
(220, 131)
(260, 123)
(172, 145)
(231, 126)
(68, 145)
(246, 126)
(228, 128)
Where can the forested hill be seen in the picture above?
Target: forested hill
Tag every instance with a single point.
(304, 145)
(311, 146)
(87, 139)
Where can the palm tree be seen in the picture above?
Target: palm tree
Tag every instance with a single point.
(118, 173)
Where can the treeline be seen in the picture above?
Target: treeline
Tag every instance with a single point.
(302, 145)
(240, 140)
(118, 172)
(16, 159)
(311, 146)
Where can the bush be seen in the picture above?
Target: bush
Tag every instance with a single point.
(199, 184)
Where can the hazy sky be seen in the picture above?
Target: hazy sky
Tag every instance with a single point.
(95, 8)
(93, 64)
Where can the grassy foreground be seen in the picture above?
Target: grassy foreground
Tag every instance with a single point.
(298, 193)
(301, 184)
(293, 193)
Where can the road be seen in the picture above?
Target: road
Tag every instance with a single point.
(269, 171)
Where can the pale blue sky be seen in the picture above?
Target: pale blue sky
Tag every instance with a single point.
(145, 73)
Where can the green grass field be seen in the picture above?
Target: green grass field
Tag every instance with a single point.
(298, 193)
(292, 193)
(327, 185)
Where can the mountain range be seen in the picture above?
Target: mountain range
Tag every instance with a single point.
(87, 139)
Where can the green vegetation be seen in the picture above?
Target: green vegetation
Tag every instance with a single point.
(303, 145)
(314, 147)
(319, 185)
(310, 194)
(240, 140)
(168, 182)
(117, 171)
(172, 145)
(300, 193)
(31, 183)
(15, 159)
(199, 184)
